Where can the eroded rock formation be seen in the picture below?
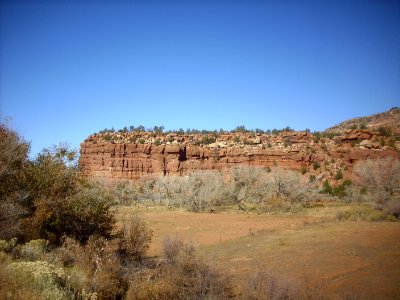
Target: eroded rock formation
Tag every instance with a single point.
(134, 155)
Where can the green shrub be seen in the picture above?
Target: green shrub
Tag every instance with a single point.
(85, 213)
(107, 137)
(326, 188)
(339, 191)
(339, 175)
(206, 140)
(384, 131)
(311, 178)
(303, 170)
(316, 165)
(14, 166)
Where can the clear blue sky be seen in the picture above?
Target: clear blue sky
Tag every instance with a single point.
(71, 68)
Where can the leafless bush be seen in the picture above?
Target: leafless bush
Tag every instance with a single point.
(381, 180)
(288, 185)
(184, 277)
(93, 268)
(200, 191)
(266, 285)
(210, 191)
(134, 239)
(249, 184)
(172, 247)
(204, 191)
(262, 285)
(276, 190)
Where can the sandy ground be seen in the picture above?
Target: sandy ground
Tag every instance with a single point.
(351, 259)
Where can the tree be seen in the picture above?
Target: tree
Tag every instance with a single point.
(158, 129)
(45, 197)
(14, 163)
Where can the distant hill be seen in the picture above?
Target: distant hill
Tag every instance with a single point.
(390, 120)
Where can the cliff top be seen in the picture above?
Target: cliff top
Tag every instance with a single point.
(379, 126)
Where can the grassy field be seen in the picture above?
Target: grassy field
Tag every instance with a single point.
(345, 259)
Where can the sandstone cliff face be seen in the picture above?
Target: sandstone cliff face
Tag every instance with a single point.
(138, 155)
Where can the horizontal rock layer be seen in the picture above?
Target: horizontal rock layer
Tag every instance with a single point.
(136, 160)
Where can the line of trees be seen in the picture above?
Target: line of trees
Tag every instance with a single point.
(160, 129)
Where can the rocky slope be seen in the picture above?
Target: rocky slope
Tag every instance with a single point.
(134, 155)
(389, 120)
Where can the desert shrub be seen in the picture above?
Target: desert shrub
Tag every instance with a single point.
(303, 170)
(364, 213)
(123, 193)
(326, 188)
(53, 173)
(85, 213)
(287, 185)
(185, 277)
(107, 137)
(8, 246)
(316, 136)
(206, 140)
(92, 269)
(172, 248)
(14, 163)
(262, 285)
(384, 131)
(311, 178)
(35, 280)
(248, 185)
(381, 179)
(342, 189)
(200, 191)
(245, 187)
(316, 165)
(204, 192)
(362, 126)
(32, 250)
(339, 175)
(133, 239)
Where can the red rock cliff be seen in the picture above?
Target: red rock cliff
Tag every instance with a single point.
(132, 155)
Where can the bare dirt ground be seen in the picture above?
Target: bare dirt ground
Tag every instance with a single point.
(349, 259)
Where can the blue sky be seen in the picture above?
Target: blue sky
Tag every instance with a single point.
(71, 68)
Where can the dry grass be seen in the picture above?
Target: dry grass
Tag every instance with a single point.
(353, 259)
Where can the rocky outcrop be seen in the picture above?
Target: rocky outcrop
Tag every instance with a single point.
(387, 121)
(134, 155)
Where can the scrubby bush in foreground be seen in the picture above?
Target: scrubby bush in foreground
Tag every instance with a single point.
(45, 197)
(183, 275)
